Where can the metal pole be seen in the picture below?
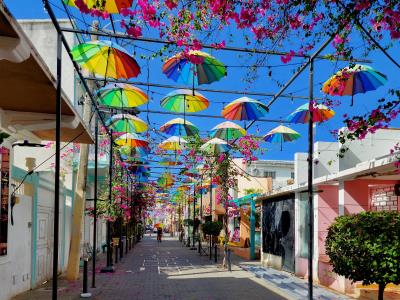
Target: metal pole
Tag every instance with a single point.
(57, 170)
(211, 209)
(310, 182)
(96, 150)
(194, 216)
(110, 172)
(109, 267)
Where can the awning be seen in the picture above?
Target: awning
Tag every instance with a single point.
(28, 90)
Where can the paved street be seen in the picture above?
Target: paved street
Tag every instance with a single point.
(167, 271)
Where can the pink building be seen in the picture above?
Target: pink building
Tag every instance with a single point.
(364, 179)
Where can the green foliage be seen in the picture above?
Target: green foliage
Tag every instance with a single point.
(253, 191)
(188, 222)
(212, 228)
(366, 247)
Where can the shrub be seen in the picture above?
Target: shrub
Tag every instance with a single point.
(366, 247)
(212, 228)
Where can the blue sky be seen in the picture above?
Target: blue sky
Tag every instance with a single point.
(234, 81)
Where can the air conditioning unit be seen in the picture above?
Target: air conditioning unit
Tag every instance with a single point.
(255, 172)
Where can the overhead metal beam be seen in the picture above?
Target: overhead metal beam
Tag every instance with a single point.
(201, 89)
(207, 46)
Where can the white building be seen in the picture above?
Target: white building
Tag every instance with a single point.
(28, 93)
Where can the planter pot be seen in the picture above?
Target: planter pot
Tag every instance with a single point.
(115, 241)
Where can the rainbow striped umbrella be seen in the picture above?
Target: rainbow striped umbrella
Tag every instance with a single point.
(302, 114)
(194, 67)
(121, 95)
(354, 80)
(106, 59)
(227, 131)
(215, 146)
(166, 180)
(173, 143)
(132, 140)
(179, 126)
(166, 162)
(129, 153)
(244, 108)
(110, 6)
(126, 123)
(281, 134)
(184, 100)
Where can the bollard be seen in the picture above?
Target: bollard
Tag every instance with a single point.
(126, 245)
(85, 293)
(199, 246)
(215, 252)
(121, 249)
(116, 254)
(229, 260)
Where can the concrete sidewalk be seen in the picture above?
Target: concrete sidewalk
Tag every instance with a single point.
(292, 286)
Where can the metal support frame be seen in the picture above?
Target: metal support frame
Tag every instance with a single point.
(96, 150)
(194, 216)
(57, 169)
(310, 181)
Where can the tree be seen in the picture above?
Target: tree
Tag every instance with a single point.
(366, 247)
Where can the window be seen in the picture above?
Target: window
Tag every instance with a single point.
(4, 178)
(292, 175)
(271, 174)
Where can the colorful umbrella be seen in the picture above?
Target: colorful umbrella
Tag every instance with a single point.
(227, 131)
(244, 108)
(173, 143)
(110, 6)
(166, 180)
(126, 123)
(302, 114)
(166, 162)
(106, 59)
(354, 80)
(132, 140)
(179, 126)
(194, 67)
(121, 95)
(184, 100)
(215, 146)
(281, 134)
(129, 154)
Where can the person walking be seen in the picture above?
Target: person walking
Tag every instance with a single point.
(159, 234)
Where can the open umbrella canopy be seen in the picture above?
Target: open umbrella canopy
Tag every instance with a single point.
(281, 134)
(244, 108)
(129, 153)
(302, 114)
(110, 6)
(184, 100)
(179, 126)
(166, 180)
(167, 162)
(215, 146)
(173, 143)
(354, 80)
(131, 140)
(227, 131)
(126, 123)
(106, 59)
(195, 67)
(121, 95)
